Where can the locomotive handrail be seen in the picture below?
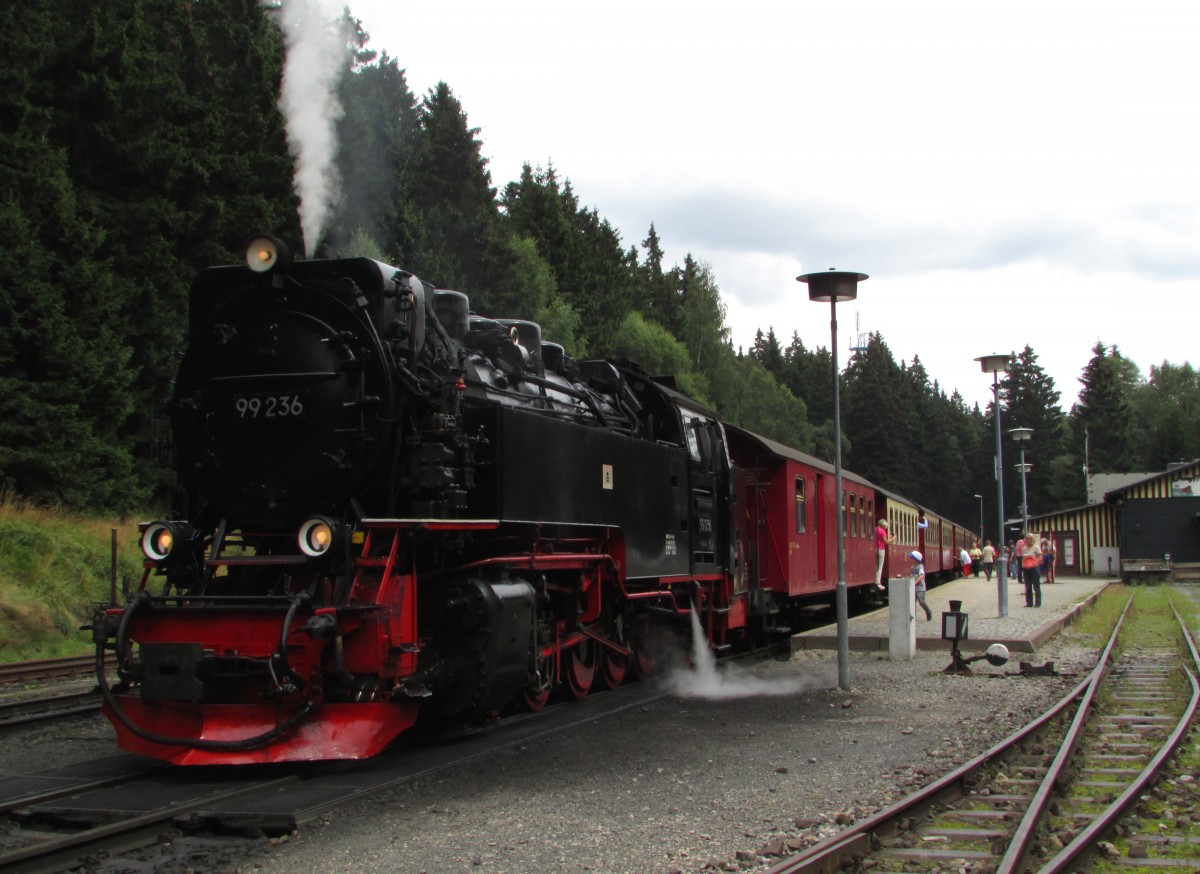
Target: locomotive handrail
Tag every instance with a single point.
(532, 561)
(313, 375)
(225, 600)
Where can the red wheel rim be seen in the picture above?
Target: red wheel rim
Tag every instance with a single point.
(613, 666)
(641, 665)
(535, 699)
(580, 665)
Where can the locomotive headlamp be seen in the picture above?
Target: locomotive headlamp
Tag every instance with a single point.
(317, 536)
(161, 539)
(265, 253)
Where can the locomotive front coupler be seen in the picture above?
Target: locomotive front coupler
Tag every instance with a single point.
(324, 626)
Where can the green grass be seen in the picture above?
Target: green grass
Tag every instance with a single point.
(54, 567)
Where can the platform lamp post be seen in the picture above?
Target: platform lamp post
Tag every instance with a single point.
(1023, 436)
(835, 286)
(980, 517)
(995, 365)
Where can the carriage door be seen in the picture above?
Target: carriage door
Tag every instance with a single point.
(709, 476)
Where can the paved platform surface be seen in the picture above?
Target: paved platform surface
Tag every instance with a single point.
(1023, 630)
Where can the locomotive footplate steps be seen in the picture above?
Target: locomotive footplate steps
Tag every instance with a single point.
(1025, 629)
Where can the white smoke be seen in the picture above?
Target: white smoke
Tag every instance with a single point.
(706, 679)
(318, 49)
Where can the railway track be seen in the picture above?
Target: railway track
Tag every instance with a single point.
(1046, 798)
(126, 804)
(46, 669)
(27, 706)
(46, 708)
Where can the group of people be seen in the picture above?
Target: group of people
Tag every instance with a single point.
(882, 538)
(972, 561)
(1030, 557)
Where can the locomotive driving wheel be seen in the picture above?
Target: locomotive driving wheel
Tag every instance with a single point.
(613, 666)
(536, 699)
(579, 665)
(641, 663)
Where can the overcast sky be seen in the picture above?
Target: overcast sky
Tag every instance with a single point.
(1007, 173)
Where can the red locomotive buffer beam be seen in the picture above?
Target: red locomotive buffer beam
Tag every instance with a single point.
(244, 681)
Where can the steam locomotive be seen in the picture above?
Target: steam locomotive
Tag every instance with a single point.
(390, 509)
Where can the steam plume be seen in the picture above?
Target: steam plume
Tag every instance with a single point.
(318, 48)
(704, 680)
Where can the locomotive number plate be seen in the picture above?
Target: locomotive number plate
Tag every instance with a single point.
(263, 405)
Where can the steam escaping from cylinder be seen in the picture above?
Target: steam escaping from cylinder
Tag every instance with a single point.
(318, 52)
(707, 679)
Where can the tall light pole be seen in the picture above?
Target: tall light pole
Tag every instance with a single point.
(980, 517)
(995, 365)
(1022, 436)
(834, 286)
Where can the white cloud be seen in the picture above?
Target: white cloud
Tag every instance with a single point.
(1022, 173)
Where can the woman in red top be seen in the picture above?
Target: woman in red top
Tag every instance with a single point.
(882, 539)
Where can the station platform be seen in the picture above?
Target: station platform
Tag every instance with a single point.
(1023, 630)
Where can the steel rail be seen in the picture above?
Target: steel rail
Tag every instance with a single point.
(67, 849)
(38, 669)
(1085, 842)
(833, 853)
(1023, 839)
(837, 851)
(27, 711)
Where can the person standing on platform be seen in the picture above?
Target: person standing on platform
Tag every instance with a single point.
(988, 556)
(964, 561)
(917, 572)
(882, 539)
(1031, 557)
(976, 558)
(1049, 549)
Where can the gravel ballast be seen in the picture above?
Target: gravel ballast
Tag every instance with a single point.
(687, 784)
(681, 784)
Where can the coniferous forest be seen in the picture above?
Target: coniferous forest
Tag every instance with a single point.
(142, 141)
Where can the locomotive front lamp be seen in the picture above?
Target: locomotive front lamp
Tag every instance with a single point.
(995, 365)
(265, 253)
(834, 286)
(161, 539)
(317, 536)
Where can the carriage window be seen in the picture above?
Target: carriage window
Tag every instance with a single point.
(692, 427)
(862, 516)
(801, 507)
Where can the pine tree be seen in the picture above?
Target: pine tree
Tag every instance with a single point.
(809, 377)
(1032, 401)
(767, 352)
(658, 299)
(583, 251)
(452, 193)
(881, 420)
(1102, 415)
(1168, 409)
(378, 137)
(703, 328)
